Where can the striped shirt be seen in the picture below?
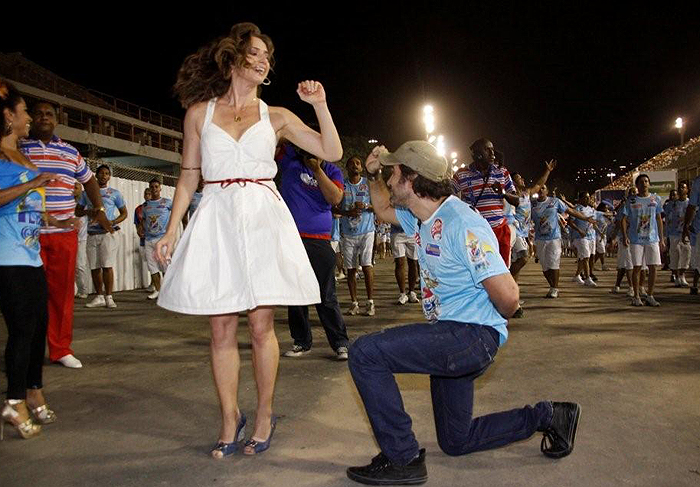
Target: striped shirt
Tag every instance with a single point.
(476, 191)
(65, 160)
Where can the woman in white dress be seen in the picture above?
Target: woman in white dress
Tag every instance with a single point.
(241, 250)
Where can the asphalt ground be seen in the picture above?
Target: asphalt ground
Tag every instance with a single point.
(143, 410)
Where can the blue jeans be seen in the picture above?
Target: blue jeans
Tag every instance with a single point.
(453, 354)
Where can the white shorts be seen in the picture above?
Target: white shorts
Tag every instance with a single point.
(600, 242)
(548, 253)
(335, 245)
(645, 255)
(403, 246)
(102, 250)
(520, 246)
(695, 257)
(624, 257)
(357, 247)
(679, 253)
(513, 234)
(153, 265)
(584, 248)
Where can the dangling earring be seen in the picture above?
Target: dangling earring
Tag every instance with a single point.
(267, 82)
(8, 129)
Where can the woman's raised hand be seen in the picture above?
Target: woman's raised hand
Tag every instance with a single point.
(311, 92)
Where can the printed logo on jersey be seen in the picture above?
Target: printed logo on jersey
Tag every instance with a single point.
(363, 187)
(432, 249)
(477, 252)
(436, 229)
(430, 302)
(308, 180)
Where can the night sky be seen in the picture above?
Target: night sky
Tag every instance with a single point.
(585, 86)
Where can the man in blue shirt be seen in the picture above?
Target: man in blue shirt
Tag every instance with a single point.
(468, 294)
(156, 213)
(310, 187)
(357, 230)
(642, 229)
(101, 244)
(679, 250)
(691, 228)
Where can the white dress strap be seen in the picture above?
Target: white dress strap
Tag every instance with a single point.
(264, 112)
(210, 113)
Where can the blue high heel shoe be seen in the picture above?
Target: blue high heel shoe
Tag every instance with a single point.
(223, 450)
(257, 446)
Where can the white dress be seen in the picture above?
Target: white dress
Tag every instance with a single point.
(241, 248)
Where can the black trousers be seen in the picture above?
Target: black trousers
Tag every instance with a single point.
(322, 258)
(24, 306)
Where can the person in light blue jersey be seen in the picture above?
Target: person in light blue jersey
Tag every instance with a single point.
(468, 296)
(624, 258)
(102, 245)
(156, 214)
(691, 227)
(583, 236)
(679, 250)
(194, 203)
(545, 215)
(602, 222)
(357, 229)
(642, 228)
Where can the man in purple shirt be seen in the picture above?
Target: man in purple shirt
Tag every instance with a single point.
(310, 187)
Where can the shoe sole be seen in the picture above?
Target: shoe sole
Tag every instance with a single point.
(574, 430)
(371, 481)
(295, 354)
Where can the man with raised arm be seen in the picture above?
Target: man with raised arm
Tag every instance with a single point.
(468, 294)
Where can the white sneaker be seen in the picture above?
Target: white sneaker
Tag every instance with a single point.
(70, 361)
(354, 308)
(684, 282)
(413, 297)
(615, 290)
(403, 298)
(637, 301)
(81, 296)
(630, 292)
(153, 295)
(554, 292)
(589, 282)
(97, 302)
(341, 353)
(642, 292)
(650, 301)
(151, 288)
(340, 277)
(578, 280)
(110, 302)
(297, 351)
(369, 308)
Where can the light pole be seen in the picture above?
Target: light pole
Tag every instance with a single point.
(428, 120)
(611, 175)
(679, 126)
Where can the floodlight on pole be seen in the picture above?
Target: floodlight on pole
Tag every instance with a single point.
(429, 119)
(680, 127)
(453, 155)
(441, 145)
(611, 175)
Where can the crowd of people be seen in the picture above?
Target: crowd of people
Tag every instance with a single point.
(462, 239)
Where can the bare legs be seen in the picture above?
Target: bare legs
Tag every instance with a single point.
(226, 363)
(368, 271)
(106, 273)
(552, 276)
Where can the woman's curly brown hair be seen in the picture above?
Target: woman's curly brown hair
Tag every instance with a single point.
(207, 73)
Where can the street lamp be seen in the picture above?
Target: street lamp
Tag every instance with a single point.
(428, 120)
(679, 126)
(611, 175)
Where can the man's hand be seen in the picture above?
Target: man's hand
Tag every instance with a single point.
(551, 164)
(101, 218)
(372, 162)
(662, 245)
(43, 179)
(497, 188)
(313, 163)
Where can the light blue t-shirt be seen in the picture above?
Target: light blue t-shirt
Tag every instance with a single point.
(675, 217)
(545, 214)
(21, 218)
(112, 200)
(523, 216)
(156, 214)
(587, 228)
(194, 203)
(694, 199)
(641, 215)
(603, 223)
(335, 231)
(351, 226)
(458, 250)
